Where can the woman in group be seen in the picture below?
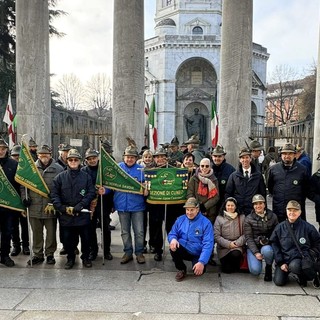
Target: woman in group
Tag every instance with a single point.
(258, 227)
(229, 236)
(147, 159)
(203, 186)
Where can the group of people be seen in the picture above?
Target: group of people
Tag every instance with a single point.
(224, 204)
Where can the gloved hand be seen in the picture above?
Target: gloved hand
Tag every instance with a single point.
(78, 207)
(93, 204)
(49, 209)
(202, 208)
(62, 209)
(27, 202)
(69, 211)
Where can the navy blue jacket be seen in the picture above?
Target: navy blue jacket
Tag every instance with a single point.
(71, 187)
(243, 189)
(287, 184)
(283, 246)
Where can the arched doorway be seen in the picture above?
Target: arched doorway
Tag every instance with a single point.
(196, 87)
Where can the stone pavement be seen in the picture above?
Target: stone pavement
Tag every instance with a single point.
(149, 291)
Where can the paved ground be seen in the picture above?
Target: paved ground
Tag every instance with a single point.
(133, 291)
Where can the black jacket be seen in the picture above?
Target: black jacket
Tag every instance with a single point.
(222, 173)
(283, 246)
(72, 187)
(287, 184)
(315, 192)
(244, 189)
(256, 226)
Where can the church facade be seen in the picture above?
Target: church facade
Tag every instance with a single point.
(182, 66)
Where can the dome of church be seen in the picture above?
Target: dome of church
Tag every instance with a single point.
(166, 22)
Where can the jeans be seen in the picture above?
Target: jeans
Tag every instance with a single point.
(134, 219)
(280, 277)
(255, 265)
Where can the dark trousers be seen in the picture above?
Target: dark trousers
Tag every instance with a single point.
(23, 221)
(71, 239)
(156, 216)
(231, 262)
(182, 254)
(281, 277)
(6, 228)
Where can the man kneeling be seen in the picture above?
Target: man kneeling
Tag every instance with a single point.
(191, 239)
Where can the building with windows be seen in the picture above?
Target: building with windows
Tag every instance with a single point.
(182, 65)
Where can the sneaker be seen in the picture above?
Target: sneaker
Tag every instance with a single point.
(63, 252)
(157, 257)
(51, 260)
(26, 250)
(7, 261)
(69, 265)
(35, 260)
(141, 259)
(181, 274)
(125, 259)
(108, 256)
(15, 251)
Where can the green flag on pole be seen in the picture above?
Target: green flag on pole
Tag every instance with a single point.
(113, 177)
(28, 174)
(9, 196)
(167, 185)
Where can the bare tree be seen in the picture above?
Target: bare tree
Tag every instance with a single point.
(99, 94)
(282, 96)
(70, 92)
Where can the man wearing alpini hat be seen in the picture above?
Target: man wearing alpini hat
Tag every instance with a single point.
(191, 239)
(288, 180)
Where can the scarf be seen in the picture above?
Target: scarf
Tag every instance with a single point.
(262, 215)
(231, 215)
(206, 187)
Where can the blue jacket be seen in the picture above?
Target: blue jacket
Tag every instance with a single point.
(196, 236)
(125, 201)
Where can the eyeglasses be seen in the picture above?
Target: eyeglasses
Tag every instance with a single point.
(204, 166)
(73, 160)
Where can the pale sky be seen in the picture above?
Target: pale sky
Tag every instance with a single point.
(289, 29)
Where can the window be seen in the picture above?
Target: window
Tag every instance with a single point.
(197, 30)
(169, 2)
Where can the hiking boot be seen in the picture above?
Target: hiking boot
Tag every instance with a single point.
(63, 252)
(35, 260)
(181, 274)
(26, 250)
(108, 256)
(141, 259)
(15, 251)
(69, 265)
(125, 259)
(268, 273)
(157, 257)
(87, 263)
(7, 261)
(51, 260)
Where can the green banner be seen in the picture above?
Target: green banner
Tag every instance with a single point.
(28, 174)
(113, 177)
(167, 185)
(9, 196)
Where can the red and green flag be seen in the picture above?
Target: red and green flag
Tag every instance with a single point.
(153, 125)
(214, 124)
(28, 174)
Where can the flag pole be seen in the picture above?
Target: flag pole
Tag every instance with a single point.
(101, 205)
(29, 229)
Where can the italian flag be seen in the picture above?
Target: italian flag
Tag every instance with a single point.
(153, 134)
(8, 119)
(214, 124)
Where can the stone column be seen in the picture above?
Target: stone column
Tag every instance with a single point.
(128, 74)
(235, 76)
(32, 70)
(316, 132)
